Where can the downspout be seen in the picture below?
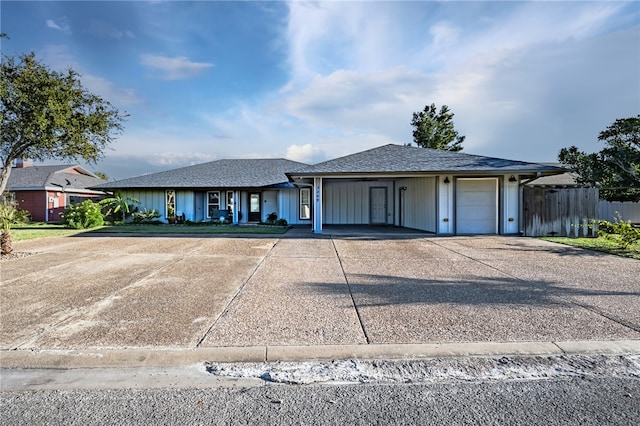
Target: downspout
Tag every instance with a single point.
(401, 200)
(393, 203)
(522, 229)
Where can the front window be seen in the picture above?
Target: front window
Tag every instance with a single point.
(305, 203)
(171, 203)
(213, 203)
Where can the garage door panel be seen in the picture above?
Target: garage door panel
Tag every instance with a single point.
(477, 206)
(476, 213)
(477, 198)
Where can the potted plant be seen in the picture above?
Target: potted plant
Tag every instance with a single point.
(171, 215)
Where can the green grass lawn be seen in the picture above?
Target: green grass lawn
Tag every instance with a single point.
(31, 231)
(602, 244)
(189, 229)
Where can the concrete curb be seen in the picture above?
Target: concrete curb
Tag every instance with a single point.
(175, 357)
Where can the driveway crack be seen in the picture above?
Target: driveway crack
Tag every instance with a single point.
(235, 295)
(353, 301)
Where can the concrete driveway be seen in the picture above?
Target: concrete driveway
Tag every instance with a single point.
(300, 289)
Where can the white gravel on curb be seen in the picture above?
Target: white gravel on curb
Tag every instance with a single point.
(355, 371)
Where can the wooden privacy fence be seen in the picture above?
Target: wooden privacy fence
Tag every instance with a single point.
(559, 212)
(628, 210)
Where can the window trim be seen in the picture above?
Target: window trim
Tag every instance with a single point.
(302, 206)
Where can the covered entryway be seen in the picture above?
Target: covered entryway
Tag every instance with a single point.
(356, 202)
(477, 206)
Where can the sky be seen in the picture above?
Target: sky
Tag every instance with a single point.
(311, 81)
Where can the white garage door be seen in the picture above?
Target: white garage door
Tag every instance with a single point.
(477, 206)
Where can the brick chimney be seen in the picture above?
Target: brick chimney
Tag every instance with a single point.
(21, 163)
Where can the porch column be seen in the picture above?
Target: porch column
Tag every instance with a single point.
(317, 205)
(279, 198)
(236, 206)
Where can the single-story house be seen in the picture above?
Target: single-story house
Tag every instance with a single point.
(436, 191)
(45, 191)
(239, 190)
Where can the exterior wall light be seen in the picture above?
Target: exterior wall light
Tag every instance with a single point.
(512, 179)
(446, 180)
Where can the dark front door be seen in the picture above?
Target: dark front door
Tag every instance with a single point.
(254, 207)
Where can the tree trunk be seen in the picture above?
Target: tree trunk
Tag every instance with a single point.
(6, 243)
(4, 175)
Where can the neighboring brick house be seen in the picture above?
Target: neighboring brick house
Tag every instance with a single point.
(45, 191)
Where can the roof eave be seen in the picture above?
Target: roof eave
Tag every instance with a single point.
(396, 174)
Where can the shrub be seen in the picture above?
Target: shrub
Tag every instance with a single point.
(621, 231)
(82, 216)
(271, 218)
(281, 222)
(145, 216)
(9, 215)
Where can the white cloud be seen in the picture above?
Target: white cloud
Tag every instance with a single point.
(62, 25)
(305, 153)
(444, 35)
(523, 80)
(105, 29)
(110, 91)
(373, 103)
(488, 65)
(175, 68)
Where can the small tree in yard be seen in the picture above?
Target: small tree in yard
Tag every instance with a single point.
(119, 203)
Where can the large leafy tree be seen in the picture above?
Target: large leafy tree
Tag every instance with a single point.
(433, 129)
(45, 114)
(616, 168)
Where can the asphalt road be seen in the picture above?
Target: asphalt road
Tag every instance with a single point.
(567, 401)
(545, 390)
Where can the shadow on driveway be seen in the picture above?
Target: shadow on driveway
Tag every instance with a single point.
(383, 290)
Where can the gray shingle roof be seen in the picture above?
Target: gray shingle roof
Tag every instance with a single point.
(234, 173)
(408, 159)
(565, 179)
(40, 177)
